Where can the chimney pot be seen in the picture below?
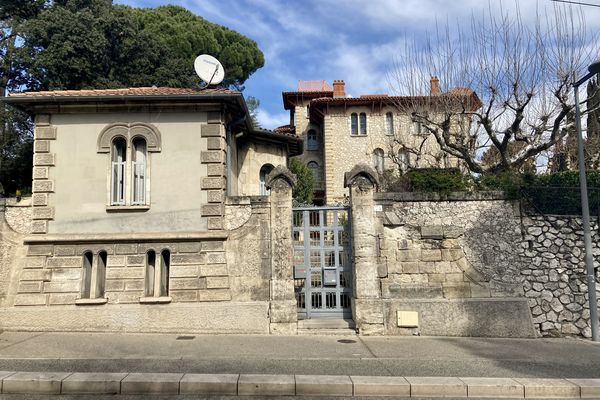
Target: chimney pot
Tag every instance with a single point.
(435, 85)
(338, 88)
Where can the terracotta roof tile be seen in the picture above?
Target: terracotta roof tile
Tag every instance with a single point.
(286, 130)
(140, 91)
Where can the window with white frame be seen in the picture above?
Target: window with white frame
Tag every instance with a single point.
(389, 123)
(363, 123)
(128, 146)
(311, 140)
(354, 124)
(378, 160)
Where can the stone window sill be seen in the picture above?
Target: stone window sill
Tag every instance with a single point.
(127, 208)
(88, 302)
(155, 300)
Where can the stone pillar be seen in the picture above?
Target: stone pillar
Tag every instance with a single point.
(367, 305)
(283, 312)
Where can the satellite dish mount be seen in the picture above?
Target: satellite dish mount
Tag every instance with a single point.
(209, 69)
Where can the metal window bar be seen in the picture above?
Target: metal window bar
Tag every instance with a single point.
(139, 183)
(118, 183)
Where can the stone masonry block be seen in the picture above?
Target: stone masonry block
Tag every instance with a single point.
(213, 245)
(217, 282)
(125, 273)
(211, 130)
(64, 262)
(211, 210)
(453, 231)
(30, 287)
(431, 255)
(36, 275)
(64, 250)
(456, 290)
(213, 183)
(134, 284)
(212, 156)
(213, 117)
(213, 270)
(216, 258)
(62, 287)
(31, 299)
(39, 226)
(43, 213)
(33, 262)
(45, 132)
(215, 170)
(115, 285)
(408, 255)
(283, 311)
(40, 250)
(41, 173)
(115, 261)
(41, 146)
(42, 120)
(66, 274)
(44, 186)
(215, 143)
(368, 311)
(183, 295)
(39, 199)
(136, 260)
(215, 223)
(452, 254)
(44, 159)
(184, 271)
(323, 385)
(126, 248)
(266, 385)
(62, 298)
(184, 259)
(432, 232)
(188, 247)
(185, 283)
(215, 196)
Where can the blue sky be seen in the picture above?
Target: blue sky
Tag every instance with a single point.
(351, 40)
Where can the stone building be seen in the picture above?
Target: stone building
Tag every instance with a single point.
(139, 195)
(340, 132)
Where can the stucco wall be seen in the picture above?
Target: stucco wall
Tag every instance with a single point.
(251, 158)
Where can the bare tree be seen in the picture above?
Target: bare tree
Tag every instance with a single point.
(504, 85)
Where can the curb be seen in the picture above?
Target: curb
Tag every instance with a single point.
(65, 383)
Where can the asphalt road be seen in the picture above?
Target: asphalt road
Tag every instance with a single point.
(400, 356)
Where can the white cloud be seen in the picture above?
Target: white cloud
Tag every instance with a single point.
(272, 120)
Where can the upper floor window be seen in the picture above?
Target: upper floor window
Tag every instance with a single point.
(311, 140)
(354, 124)
(129, 145)
(316, 171)
(389, 123)
(264, 172)
(404, 161)
(363, 123)
(378, 160)
(418, 127)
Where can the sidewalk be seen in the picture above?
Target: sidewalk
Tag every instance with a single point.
(346, 356)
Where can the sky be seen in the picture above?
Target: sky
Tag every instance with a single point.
(354, 40)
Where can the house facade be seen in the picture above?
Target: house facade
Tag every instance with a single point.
(142, 199)
(340, 131)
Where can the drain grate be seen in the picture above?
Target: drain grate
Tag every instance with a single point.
(345, 341)
(185, 337)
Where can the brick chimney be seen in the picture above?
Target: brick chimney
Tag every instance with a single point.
(338, 88)
(435, 85)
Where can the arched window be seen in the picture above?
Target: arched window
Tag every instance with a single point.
(404, 161)
(378, 157)
(138, 171)
(354, 124)
(119, 160)
(100, 275)
(316, 172)
(264, 172)
(389, 123)
(150, 272)
(165, 266)
(86, 276)
(311, 140)
(363, 123)
(93, 275)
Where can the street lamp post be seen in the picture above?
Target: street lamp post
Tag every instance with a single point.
(585, 209)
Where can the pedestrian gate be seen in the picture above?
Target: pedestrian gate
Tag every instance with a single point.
(322, 262)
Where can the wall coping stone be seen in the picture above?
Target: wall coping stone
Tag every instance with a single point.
(128, 237)
(434, 196)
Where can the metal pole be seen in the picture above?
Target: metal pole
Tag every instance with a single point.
(585, 210)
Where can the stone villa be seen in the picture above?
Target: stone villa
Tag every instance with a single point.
(377, 129)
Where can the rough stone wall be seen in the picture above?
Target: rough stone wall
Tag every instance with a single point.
(450, 249)
(555, 274)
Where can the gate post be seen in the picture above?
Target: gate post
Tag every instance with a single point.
(283, 311)
(367, 305)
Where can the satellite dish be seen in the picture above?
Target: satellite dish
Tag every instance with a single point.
(209, 69)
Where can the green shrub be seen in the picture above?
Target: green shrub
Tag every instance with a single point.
(441, 180)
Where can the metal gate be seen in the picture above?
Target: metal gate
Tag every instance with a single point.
(322, 262)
